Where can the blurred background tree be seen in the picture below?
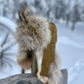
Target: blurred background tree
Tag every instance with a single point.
(54, 10)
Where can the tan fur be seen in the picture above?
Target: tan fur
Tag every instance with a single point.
(26, 64)
(32, 31)
(33, 35)
(49, 52)
(22, 58)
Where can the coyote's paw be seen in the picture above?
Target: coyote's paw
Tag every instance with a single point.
(42, 79)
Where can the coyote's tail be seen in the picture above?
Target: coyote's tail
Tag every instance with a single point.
(55, 73)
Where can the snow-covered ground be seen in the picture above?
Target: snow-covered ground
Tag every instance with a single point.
(8, 64)
(70, 46)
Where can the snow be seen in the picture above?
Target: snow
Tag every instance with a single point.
(70, 46)
(8, 64)
(8, 23)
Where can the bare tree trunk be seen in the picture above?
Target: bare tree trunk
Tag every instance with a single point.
(73, 25)
(67, 19)
(75, 16)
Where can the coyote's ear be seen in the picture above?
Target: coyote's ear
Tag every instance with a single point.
(23, 13)
(20, 15)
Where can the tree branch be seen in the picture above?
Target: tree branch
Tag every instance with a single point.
(9, 54)
(9, 46)
(5, 39)
(7, 28)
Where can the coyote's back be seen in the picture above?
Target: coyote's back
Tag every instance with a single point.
(32, 31)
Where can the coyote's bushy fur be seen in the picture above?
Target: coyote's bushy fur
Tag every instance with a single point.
(33, 35)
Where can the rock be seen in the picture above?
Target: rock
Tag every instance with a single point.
(23, 82)
(29, 79)
(65, 77)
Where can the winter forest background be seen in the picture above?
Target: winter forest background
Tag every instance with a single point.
(68, 15)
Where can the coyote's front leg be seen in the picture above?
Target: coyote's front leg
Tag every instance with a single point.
(39, 57)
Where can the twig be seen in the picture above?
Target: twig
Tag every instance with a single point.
(8, 47)
(9, 53)
(5, 39)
